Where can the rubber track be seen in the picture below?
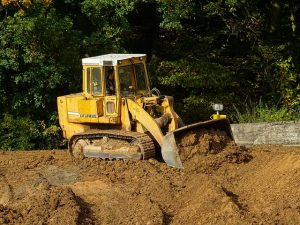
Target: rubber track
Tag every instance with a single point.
(145, 142)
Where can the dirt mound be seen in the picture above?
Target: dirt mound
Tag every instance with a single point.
(44, 204)
(49, 205)
(114, 206)
(221, 184)
(203, 142)
(207, 202)
(206, 150)
(273, 187)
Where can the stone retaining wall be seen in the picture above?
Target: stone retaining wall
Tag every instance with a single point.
(282, 133)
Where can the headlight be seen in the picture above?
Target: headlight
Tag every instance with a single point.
(218, 107)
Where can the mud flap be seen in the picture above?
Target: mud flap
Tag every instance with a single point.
(169, 148)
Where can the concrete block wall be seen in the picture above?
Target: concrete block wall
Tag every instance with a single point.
(282, 133)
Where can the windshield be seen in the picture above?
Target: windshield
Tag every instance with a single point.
(128, 84)
(126, 80)
(140, 77)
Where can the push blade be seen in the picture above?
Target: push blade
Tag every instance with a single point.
(169, 151)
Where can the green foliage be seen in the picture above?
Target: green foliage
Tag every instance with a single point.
(193, 73)
(107, 10)
(200, 52)
(38, 51)
(21, 133)
(17, 133)
(289, 83)
(107, 17)
(52, 138)
(203, 83)
(173, 12)
(227, 51)
(263, 113)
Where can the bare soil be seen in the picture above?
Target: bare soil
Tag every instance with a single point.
(221, 184)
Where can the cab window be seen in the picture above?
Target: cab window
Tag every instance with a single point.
(140, 77)
(126, 80)
(94, 78)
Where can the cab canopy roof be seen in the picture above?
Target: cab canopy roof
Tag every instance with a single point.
(109, 59)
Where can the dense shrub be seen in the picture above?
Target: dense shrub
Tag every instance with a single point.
(21, 133)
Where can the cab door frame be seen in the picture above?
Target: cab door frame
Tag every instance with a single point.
(90, 107)
(111, 103)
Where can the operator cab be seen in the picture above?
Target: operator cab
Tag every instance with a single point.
(107, 80)
(115, 74)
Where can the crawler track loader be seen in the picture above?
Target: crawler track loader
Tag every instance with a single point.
(118, 115)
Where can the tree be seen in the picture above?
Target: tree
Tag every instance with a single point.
(229, 51)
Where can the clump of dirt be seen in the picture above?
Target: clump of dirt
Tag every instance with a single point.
(202, 141)
(45, 204)
(206, 150)
(10, 216)
(39, 161)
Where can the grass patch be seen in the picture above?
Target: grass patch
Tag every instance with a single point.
(264, 113)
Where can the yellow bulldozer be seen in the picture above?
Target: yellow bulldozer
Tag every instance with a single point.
(118, 115)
